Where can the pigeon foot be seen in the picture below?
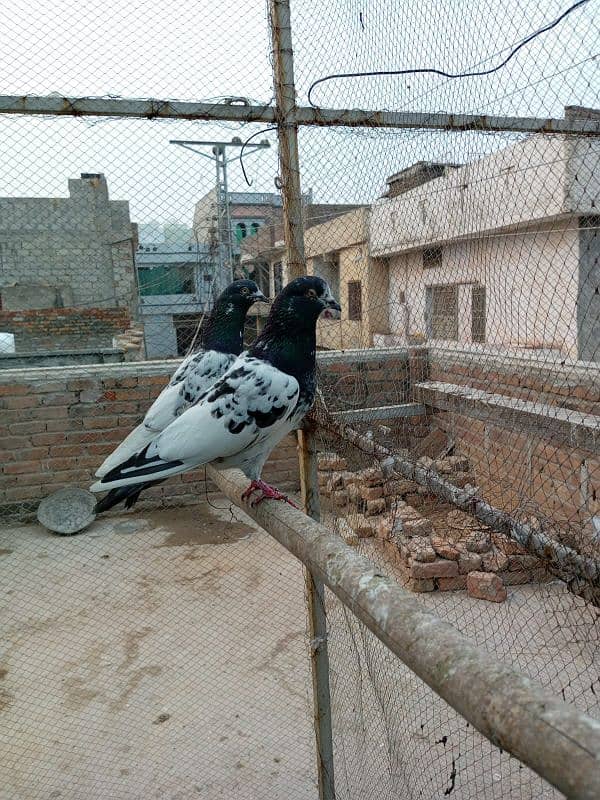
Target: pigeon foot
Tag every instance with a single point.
(268, 493)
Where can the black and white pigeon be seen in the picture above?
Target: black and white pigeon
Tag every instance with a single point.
(263, 396)
(221, 341)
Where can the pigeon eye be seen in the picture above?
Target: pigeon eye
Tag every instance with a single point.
(244, 290)
(311, 293)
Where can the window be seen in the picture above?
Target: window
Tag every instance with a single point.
(432, 257)
(277, 278)
(240, 231)
(478, 314)
(254, 228)
(441, 309)
(166, 279)
(354, 300)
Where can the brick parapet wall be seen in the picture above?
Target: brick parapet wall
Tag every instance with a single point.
(363, 378)
(58, 424)
(566, 384)
(64, 328)
(525, 471)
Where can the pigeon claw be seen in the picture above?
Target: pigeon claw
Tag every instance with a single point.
(267, 493)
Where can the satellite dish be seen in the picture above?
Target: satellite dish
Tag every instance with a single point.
(67, 511)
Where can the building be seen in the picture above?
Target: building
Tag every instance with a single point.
(263, 255)
(247, 213)
(337, 250)
(175, 290)
(503, 251)
(67, 273)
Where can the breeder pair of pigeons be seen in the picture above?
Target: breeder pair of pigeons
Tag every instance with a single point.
(223, 406)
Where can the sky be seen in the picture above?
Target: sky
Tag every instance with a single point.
(200, 50)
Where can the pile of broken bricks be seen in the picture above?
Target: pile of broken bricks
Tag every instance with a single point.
(459, 553)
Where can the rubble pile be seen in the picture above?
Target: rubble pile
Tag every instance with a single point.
(458, 552)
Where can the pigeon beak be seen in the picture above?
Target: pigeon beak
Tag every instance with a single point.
(332, 308)
(259, 297)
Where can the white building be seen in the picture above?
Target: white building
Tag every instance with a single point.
(503, 251)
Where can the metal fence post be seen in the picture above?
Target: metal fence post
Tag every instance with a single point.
(287, 132)
(317, 619)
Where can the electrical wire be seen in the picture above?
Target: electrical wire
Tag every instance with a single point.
(434, 71)
(243, 147)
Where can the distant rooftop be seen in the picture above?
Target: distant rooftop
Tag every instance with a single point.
(416, 175)
(169, 253)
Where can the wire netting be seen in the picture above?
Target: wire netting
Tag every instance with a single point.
(468, 290)
(466, 262)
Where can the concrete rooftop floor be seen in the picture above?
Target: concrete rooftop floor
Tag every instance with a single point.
(158, 655)
(164, 655)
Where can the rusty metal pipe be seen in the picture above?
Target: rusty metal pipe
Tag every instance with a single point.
(553, 738)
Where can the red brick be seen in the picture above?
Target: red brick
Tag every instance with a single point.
(14, 442)
(486, 586)
(375, 507)
(49, 412)
(124, 383)
(61, 425)
(124, 407)
(371, 492)
(85, 437)
(29, 467)
(14, 390)
(64, 478)
(47, 438)
(434, 569)
(64, 450)
(101, 423)
(79, 384)
(58, 399)
(19, 402)
(87, 462)
(32, 453)
(57, 464)
(96, 449)
(154, 380)
(29, 492)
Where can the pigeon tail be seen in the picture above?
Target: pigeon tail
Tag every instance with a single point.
(129, 494)
(137, 440)
(138, 471)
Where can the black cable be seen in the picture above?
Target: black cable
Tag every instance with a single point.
(432, 71)
(248, 140)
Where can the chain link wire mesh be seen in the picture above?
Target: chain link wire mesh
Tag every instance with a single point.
(469, 293)
(154, 657)
(466, 263)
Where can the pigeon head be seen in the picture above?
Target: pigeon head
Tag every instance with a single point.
(242, 293)
(224, 327)
(288, 340)
(304, 298)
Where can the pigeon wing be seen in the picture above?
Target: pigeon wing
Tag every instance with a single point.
(195, 375)
(251, 403)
